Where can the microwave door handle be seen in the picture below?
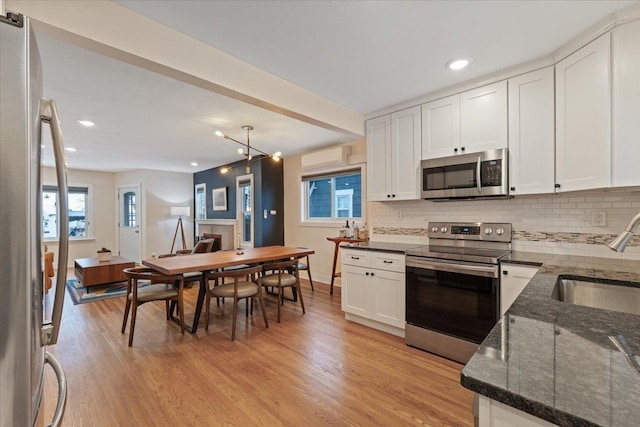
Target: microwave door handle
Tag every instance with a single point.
(49, 114)
(478, 176)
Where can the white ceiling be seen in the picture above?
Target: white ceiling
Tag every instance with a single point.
(365, 55)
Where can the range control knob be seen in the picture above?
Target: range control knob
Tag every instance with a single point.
(434, 229)
(500, 231)
(488, 231)
(444, 229)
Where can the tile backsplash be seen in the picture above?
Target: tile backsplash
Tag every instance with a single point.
(561, 224)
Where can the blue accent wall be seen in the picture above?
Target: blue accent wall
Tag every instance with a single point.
(268, 189)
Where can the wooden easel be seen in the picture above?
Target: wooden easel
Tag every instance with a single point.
(175, 235)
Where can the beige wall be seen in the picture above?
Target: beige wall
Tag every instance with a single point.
(160, 191)
(313, 237)
(101, 202)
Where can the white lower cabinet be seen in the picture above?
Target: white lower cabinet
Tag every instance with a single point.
(513, 280)
(373, 289)
(495, 414)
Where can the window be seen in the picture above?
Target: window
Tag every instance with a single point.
(332, 196)
(129, 206)
(78, 202)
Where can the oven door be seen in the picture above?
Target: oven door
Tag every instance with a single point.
(458, 299)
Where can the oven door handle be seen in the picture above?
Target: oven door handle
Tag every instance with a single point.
(473, 270)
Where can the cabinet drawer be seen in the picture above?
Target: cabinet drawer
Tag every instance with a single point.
(356, 257)
(387, 261)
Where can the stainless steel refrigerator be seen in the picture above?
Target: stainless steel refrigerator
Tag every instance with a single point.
(24, 331)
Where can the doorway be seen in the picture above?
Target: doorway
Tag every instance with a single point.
(244, 216)
(129, 214)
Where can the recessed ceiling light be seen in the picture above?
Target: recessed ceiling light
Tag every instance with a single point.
(458, 63)
(86, 123)
(70, 149)
(194, 164)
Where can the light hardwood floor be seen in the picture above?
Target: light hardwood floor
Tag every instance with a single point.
(311, 370)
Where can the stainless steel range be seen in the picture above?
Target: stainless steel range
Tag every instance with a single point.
(453, 287)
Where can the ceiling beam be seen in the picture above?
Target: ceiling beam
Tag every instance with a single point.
(113, 30)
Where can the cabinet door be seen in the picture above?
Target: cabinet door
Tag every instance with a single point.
(356, 294)
(483, 118)
(441, 127)
(378, 153)
(626, 104)
(583, 118)
(388, 297)
(532, 133)
(405, 154)
(513, 280)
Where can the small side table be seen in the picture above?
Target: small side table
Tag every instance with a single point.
(338, 241)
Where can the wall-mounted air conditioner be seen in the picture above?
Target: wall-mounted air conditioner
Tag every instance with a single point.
(330, 158)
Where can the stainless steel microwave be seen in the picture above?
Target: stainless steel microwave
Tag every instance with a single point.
(466, 176)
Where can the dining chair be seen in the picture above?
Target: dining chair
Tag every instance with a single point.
(306, 266)
(162, 288)
(203, 246)
(244, 284)
(284, 274)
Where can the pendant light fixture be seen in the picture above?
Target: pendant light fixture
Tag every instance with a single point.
(247, 154)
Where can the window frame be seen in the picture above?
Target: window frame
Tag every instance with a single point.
(88, 217)
(305, 221)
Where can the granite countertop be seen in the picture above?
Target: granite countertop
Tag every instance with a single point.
(381, 246)
(555, 360)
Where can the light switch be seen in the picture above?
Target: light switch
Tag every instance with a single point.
(264, 214)
(272, 211)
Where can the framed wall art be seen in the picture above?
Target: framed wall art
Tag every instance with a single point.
(219, 199)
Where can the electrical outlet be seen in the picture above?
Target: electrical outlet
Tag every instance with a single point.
(399, 214)
(599, 219)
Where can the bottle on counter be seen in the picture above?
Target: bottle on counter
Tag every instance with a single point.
(363, 232)
(348, 230)
(356, 230)
(343, 232)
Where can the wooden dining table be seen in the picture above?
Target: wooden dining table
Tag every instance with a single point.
(211, 261)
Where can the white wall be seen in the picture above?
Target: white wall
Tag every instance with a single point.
(102, 198)
(561, 224)
(315, 238)
(160, 191)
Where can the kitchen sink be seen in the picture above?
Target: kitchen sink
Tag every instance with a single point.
(607, 296)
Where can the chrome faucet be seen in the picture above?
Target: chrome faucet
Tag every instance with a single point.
(619, 243)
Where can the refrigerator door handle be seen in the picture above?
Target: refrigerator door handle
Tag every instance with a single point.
(49, 114)
(62, 388)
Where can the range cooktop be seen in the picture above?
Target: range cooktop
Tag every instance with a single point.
(466, 241)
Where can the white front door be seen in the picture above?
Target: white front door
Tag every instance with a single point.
(129, 222)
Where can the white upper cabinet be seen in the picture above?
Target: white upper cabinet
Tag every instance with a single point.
(583, 118)
(378, 151)
(441, 127)
(626, 104)
(394, 153)
(532, 133)
(469, 122)
(483, 118)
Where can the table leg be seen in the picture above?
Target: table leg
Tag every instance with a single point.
(335, 261)
(201, 295)
(196, 316)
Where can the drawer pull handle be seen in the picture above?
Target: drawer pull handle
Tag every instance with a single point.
(387, 262)
(355, 257)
